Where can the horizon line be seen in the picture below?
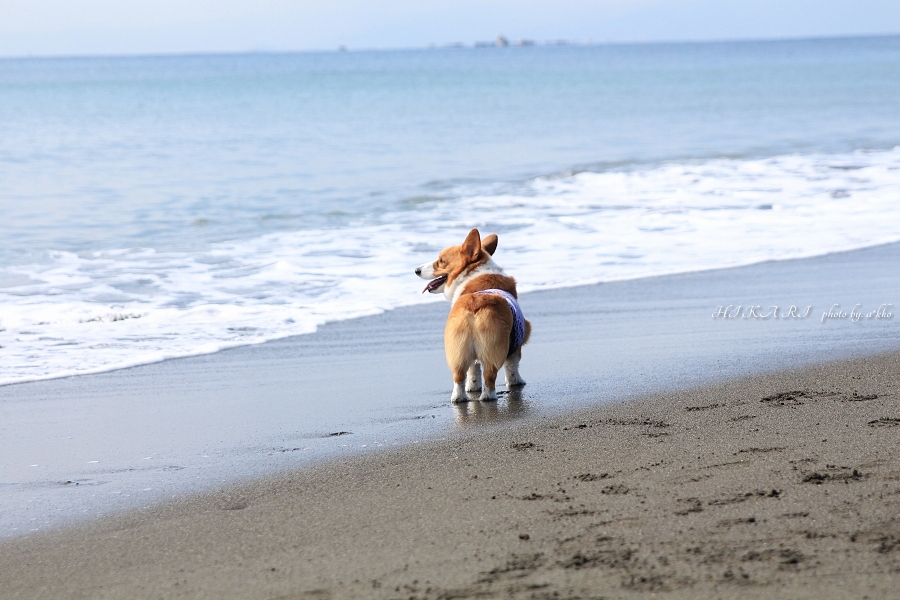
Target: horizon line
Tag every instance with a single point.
(476, 45)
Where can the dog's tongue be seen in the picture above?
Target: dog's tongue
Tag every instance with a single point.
(435, 284)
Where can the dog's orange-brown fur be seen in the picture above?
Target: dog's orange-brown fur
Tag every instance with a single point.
(479, 325)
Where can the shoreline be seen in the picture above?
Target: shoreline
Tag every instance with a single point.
(783, 484)
(404, 307)
(87, 447)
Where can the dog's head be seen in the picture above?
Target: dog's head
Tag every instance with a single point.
(457, 260)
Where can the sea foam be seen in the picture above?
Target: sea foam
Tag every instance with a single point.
(85, 313)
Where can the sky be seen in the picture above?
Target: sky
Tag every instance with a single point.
(109, 27)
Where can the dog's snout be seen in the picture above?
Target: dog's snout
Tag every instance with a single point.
(418, 270)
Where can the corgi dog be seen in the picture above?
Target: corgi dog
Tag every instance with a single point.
(486, 329)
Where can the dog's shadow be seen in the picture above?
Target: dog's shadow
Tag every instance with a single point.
(475, 412)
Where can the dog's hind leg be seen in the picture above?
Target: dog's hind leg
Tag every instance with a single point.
(488, 392)
(491, 345)
(490, 354)
(460, 350)
(459, 366)
(473, 378)
(459, 393)
(511, 367)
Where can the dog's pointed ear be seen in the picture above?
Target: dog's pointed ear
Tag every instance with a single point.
(471, 248)
(489, 243)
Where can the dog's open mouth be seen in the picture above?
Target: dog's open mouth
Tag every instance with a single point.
(435, 284)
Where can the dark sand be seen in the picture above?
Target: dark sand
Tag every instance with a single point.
(779, 486)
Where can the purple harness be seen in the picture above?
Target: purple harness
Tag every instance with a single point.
(517, 335)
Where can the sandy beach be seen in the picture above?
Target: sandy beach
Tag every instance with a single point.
(655, 450)
(781, 486)
(220, 376)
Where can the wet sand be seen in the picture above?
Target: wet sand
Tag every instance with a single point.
(781, 485)
(82, 448)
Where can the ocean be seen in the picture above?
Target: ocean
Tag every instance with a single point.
(165, 206)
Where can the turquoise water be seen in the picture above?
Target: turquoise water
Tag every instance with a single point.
(153, 207)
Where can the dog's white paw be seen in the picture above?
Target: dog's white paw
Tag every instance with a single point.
(459, 394)
(516, 381)
(488, 395)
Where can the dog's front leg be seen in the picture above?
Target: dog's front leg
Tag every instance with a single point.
(473, 378)
(511, 369)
